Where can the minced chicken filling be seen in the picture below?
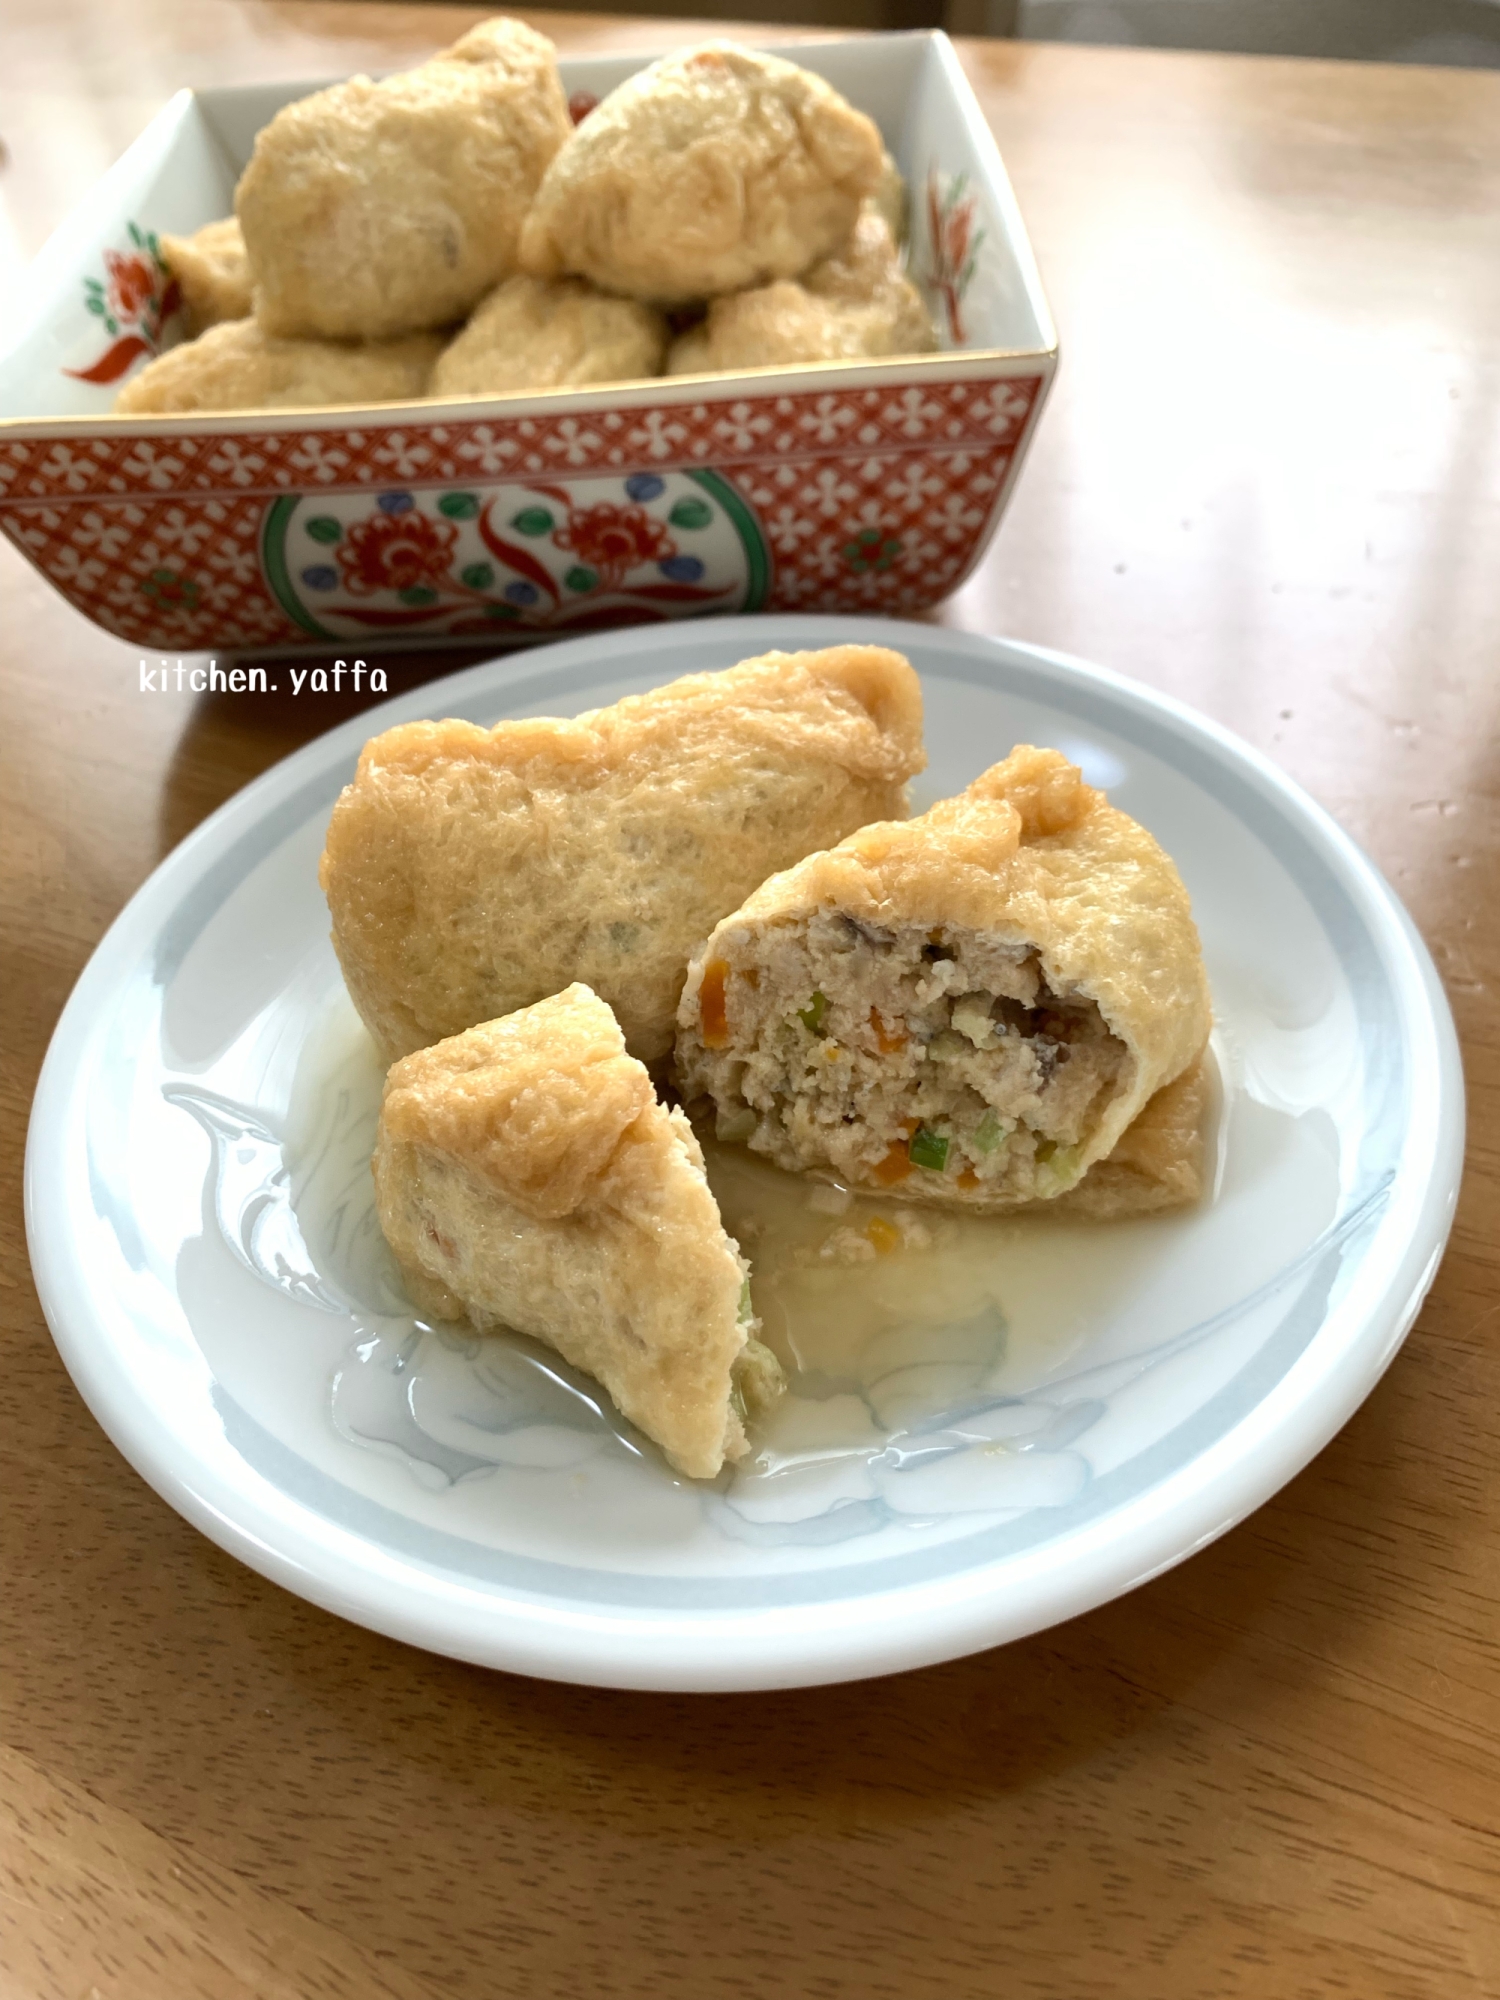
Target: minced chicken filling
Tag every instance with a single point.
(889, 1055)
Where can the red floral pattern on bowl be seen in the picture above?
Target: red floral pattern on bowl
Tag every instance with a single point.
(136, 299)
(395, 552)
(954, 244)
(133, 285)
(614, 540)
(533, 557)
(855, 496)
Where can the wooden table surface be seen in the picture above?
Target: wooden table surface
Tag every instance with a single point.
(1269, 483)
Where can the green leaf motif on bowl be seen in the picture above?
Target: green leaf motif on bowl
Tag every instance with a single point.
(691, 513)
(872, 549)
(169, 591)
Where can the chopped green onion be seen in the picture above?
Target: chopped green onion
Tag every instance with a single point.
(991, 1132)
(928, 1149)
(747, 1311)
(811, 1016)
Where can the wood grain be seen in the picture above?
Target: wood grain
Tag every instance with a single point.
(1269, 483)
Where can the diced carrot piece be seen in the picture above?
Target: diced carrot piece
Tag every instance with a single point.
(968, 1180)
(887, 1041)
(712, 1018)
(884, 1235)
(894, 1167)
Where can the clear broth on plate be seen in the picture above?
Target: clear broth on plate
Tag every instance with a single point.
(929, 1355)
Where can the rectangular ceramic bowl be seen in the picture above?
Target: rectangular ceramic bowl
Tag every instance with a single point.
(859, 486)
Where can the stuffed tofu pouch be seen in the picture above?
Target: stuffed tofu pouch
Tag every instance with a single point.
(968, 1008)
(472, 871)
(527, 1177)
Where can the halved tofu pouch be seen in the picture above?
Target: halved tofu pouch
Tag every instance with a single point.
(527, 1177)
(473, 871)
(967, 1008)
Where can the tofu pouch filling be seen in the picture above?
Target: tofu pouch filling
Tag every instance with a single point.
(888, 1053)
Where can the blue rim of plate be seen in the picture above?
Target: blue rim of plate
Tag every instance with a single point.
(1355, 1293)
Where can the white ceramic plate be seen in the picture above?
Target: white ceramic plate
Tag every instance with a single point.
(1001, 1434)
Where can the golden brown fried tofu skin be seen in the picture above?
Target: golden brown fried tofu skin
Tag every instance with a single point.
(714, 169)
(1161, 1160)
(377, 209)
(891, 201)
(526, 1177)
(212, 273)
(236, 366)
(472, 871)
(550, 333)
(866, 272)
(967, 1008)
(857, 303)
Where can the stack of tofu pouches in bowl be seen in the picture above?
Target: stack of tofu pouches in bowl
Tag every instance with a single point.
(449, 232)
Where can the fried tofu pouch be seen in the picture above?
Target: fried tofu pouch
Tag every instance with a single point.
(212, 272)
(539, 333)
(858, 302)
(891, 201)
(526, 1177)
(471, 871)
(377, 209)
(1160, 1161)
(969, 1008)
(714, 169)
(236, 366)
